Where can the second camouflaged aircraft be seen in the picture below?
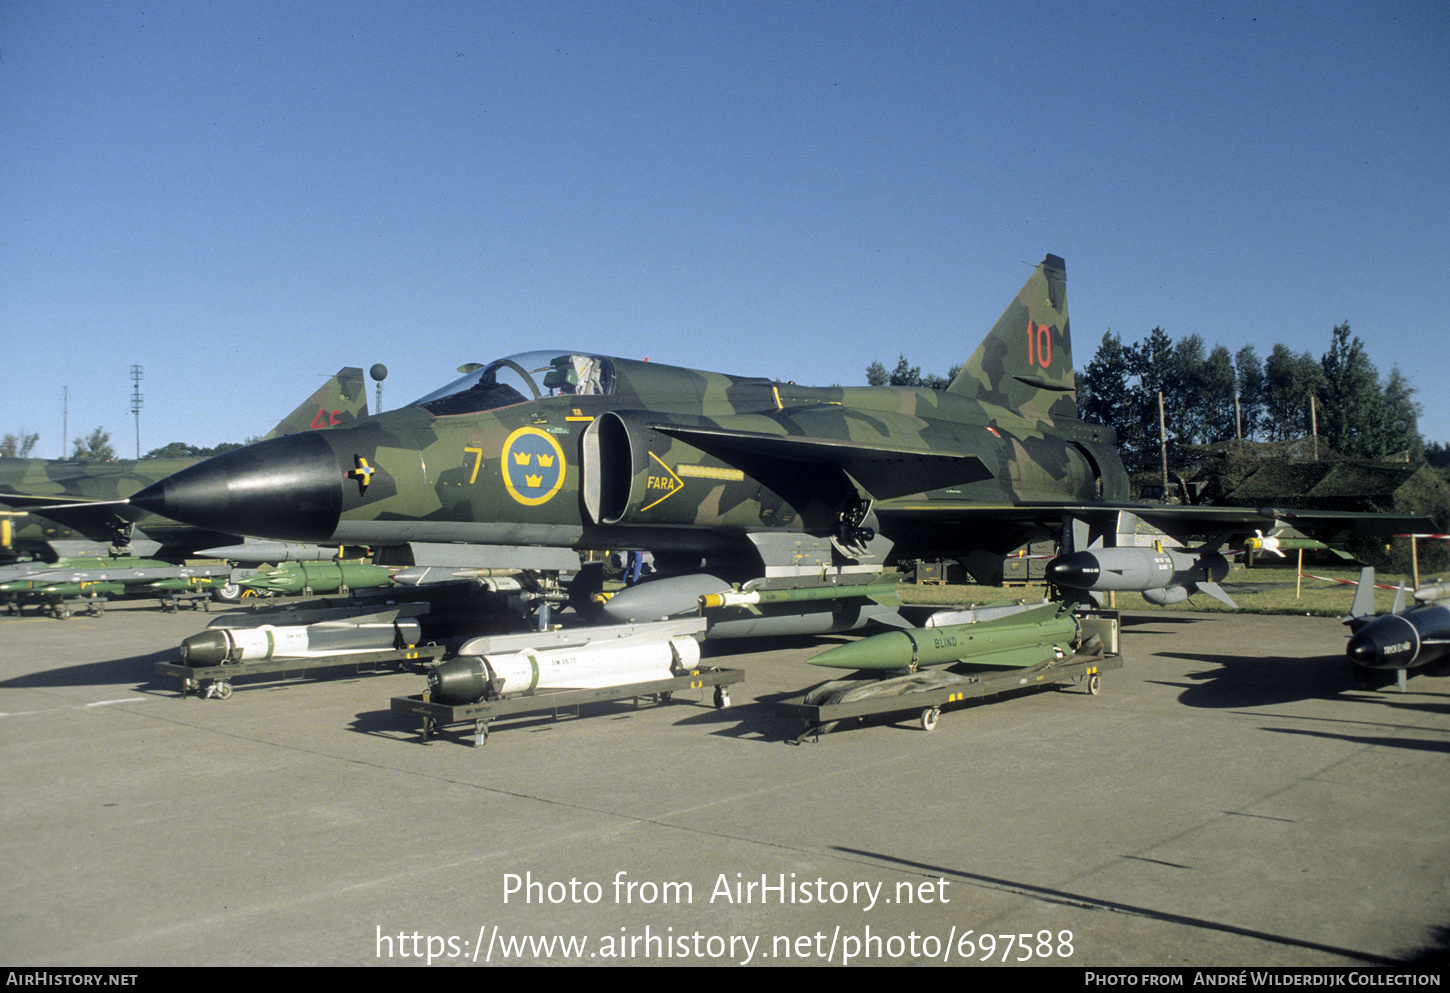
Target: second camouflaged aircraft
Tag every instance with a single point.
(104, 519)
(724, 478)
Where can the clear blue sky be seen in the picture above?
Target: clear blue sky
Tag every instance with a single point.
(242, 197)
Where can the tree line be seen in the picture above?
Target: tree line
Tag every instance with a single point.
(97, 447)
(1210, 395)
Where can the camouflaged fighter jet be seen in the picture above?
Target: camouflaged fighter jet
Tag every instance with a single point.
(723, 478)
(33, 483)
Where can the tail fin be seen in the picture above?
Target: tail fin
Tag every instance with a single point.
(1363, 605)
(1025, 362)
(342, 399)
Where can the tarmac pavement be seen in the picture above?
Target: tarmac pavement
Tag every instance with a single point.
(1230, 799)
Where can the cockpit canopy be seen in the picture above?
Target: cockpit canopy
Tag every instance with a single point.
(519, 379)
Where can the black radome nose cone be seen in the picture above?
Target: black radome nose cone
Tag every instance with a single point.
(287, 488)
(1363, 651)
(1074, 571)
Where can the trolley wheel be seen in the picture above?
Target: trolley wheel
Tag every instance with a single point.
(1095, 684)
(61, 612)
(722, 698)
(929, 717)
(229, 593)
(221, 689)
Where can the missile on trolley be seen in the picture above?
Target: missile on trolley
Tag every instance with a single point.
(85, 570)
(275, 552)
(1413, 639)
(375, 632)
(320, 577)
(1031, 634)
(1170, 575)
(1406, 638)
(749, 596)
(179, 583)
(139, 574)
(594, 665)
(24, 570)
(21, 585)
(752, 610)
(80, 589)
(111, 576)
(433, 575)
(52, 586)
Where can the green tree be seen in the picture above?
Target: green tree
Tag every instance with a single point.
(96, 447)
(1249, 384)
(906, 374)
(176, 450)
(1104, 394)
(1351, 417)
(1289, 381)
(1155, 366)
(1216, 382)
(1401, 418)
(19, 446)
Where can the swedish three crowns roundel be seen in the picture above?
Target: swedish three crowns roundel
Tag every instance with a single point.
(533, 466)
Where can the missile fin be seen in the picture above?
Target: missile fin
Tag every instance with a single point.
(1363, 605)
(1216, 591)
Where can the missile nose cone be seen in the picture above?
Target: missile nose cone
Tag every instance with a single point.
(890, 650)
(1075, 571)
(1363, 651)
(205, 648)
(460, 680)
(1388, 642)
(287, 488)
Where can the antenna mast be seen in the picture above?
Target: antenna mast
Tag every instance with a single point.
(136, 404)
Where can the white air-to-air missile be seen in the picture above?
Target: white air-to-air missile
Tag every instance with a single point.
(371, 632)
(641, 655)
